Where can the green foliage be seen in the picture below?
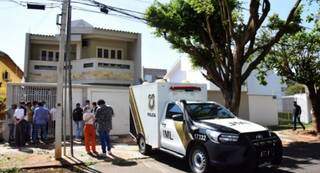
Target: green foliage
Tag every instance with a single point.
(221, 39)
(295, 89)
(297, 57)
(10, 170)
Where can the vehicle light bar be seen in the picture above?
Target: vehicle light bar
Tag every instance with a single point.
(186, 88)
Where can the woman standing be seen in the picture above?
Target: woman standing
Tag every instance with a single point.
(89, 131)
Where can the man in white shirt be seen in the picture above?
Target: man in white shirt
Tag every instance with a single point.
(20, 122)
(53, 113)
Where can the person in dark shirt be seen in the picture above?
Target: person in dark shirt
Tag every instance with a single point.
(94, 107)
(77, 116)
(296, 116)
(104, 116)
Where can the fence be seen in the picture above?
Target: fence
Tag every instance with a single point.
(30, 93)
(17, 92)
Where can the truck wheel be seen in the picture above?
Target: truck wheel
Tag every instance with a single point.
(276, 161)
(143, 147)
(198, 160)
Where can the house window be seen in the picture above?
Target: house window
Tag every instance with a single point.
(43, 55)
(45, 67)
(87, 65)
(105, 53)
(57, 56)
(5, 76)
(119, 54)
(99, 54)
(113, 54)
(114, 66)
(50, 56)
(109, 53)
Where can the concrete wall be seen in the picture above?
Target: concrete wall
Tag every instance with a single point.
(35, 50)
(91, 50)
(273, 88)
(263, 110)
(244, 105)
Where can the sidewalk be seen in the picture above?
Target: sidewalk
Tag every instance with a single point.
(43, 156)
(289, 136)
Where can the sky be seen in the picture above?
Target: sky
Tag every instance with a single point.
(16, 21)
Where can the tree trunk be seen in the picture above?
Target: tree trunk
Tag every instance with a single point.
(232, 98)
(315, 102)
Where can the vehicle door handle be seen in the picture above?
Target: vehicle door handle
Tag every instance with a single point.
(164, 124)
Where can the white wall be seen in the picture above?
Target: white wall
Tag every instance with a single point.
(274, 86)
(118, 99)
(263, 110)
(304, 102)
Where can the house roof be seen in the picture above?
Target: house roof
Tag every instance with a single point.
(11, 64)
(81, 26)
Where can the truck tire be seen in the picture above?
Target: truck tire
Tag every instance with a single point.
(143, 147)
(198, 160)
(276, 161)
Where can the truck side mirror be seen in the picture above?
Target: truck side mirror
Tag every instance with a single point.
(177, 117)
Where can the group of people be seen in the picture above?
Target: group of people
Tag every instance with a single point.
(90, 119)
(26, 120)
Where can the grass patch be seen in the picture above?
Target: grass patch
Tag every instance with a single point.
(10, 170)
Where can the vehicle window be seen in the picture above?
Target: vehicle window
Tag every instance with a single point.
(173, 109)
(202, 111)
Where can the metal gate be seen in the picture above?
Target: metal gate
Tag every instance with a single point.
(32, 92)
(29, 92)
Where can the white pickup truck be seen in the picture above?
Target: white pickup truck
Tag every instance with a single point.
(178, 119)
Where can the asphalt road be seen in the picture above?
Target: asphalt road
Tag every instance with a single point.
(298, 157)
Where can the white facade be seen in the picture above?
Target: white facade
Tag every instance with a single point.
(183, 71)
(98, 55)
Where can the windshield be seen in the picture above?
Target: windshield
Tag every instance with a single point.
(204, 111)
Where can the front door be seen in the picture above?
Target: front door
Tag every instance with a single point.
(170, 139)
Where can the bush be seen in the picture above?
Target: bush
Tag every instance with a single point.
(285, 118)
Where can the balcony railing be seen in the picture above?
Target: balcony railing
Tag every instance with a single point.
(90, 70)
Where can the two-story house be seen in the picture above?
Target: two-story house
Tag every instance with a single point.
(99, 56)
(104, 63)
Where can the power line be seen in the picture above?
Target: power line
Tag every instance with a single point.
(99, 12)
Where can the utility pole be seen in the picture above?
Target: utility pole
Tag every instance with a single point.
(69, 79)
(60, 68)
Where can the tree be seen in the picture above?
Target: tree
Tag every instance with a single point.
(295, 89)
(297, 58)
(220, 39)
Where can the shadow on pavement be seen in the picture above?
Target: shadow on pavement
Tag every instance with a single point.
(295, 155)
(301, 153)
(77, 165)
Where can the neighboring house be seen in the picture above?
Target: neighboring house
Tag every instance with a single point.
(99, 56)
(258, 103)
(152, 74)
(10, 72)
